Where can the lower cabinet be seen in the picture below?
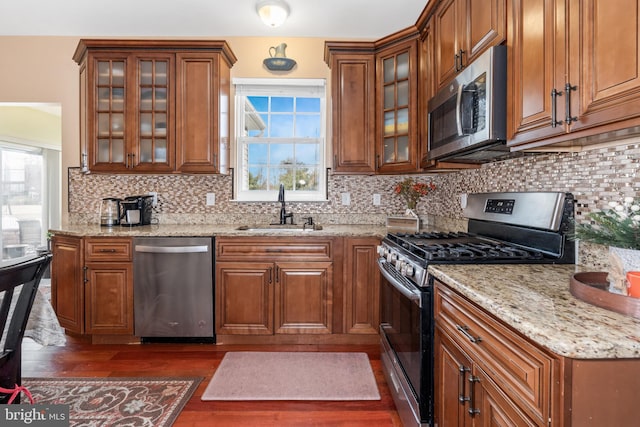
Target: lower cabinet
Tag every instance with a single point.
(273, 286)
(485, 374)
(92, 285)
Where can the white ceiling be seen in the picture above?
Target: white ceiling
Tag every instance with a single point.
(329, 19)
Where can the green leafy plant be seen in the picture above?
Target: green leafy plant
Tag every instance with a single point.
(618, 226)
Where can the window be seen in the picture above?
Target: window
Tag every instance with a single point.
(280, 128)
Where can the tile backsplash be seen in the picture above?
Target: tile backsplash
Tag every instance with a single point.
(595, 177)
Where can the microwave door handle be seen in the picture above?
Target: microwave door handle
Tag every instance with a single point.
(459, 110)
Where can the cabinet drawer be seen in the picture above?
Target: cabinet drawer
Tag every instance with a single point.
(522, 370)
(274, 248)
(108, 249)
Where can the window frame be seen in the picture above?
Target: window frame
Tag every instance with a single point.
(278, 87)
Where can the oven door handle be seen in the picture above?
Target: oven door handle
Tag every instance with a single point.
(412, 294)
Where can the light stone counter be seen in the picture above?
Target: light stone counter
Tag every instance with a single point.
(172, 230)
(535, 300)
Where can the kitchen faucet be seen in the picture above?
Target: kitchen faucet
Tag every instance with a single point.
(283, 211)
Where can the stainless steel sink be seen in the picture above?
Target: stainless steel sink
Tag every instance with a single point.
(277, 228)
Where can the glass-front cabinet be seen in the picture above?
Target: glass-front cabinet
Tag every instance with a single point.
(129, 92)
(397, 108)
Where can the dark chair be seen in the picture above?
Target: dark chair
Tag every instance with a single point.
(13, 321)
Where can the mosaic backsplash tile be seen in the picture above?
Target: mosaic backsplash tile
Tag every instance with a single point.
(595, 177)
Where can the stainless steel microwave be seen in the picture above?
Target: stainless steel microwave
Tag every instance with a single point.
(467, 118)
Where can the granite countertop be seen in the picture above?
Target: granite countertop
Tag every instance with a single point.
(535, 300)
(178, 230)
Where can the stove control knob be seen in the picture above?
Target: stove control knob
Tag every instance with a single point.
(381, 250)
(408, 270)
(399, 265)
(391, 257)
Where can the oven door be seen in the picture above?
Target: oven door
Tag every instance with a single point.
(407, 345)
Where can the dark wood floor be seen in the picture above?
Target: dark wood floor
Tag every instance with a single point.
(80, 359)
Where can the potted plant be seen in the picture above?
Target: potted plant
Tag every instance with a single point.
(618, 228)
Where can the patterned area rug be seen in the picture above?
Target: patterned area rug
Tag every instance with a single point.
(246, 375)
(115, 401)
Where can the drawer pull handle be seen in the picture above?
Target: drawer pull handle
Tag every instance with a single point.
(462, 370)
(466, 333)
(107, 250)
(472, 411)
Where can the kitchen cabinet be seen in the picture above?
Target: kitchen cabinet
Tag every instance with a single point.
(353, 106)
(572, 72)
(92, 285)
(268, 286)
(361, 286)
(154, 106)
(397, 103)
(463, 29)
(485, 373)
(108, 286)
(67, 282)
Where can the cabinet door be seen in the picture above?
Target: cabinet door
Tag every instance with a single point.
(67, 282)
(604, 65)
(397, 106)
(198, 112)
(353, 98)
(448, 19)
(109, 112)
(536, 69)
(109, 298)
(451, 376)
(493, 408)
(303, 295)
(151, 145)
(244, 298)
(484, 25)
(361, 287)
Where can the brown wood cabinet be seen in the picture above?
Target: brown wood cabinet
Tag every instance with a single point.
(500, 377)
(67, 282)
(154, 106)
(92, 285)
(572, 71)
(463, 30)
(397, 127)
(270, 286)
(353, 106)
(361, 286)
(108, 286)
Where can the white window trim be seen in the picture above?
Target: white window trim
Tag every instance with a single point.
(270, 87)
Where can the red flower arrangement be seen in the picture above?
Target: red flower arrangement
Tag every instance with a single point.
(411, 191)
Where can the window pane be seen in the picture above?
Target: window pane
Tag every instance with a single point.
(308, 105)
(403, 66)
(389, 70)
(281, 176)
(259, 103)
(308, 126)
(257, 178)
(160, 151)
(281, 126)
(146, 146)
(389, 97)
(307, 179)
(307, 154)
(258, 154)
(281, 154)
(281, 105)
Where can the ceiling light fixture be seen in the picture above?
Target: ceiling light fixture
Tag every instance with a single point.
(273, 12)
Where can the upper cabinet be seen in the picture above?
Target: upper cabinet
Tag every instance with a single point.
(353, 110)
(574, 70)
(154, 106)
(397, 104)
(374, 97)
(463, 30)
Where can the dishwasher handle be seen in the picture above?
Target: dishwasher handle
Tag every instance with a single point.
(171, 249)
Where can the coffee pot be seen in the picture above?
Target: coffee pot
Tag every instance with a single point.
(110, 211)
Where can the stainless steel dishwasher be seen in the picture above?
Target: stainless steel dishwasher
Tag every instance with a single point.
(173, 288)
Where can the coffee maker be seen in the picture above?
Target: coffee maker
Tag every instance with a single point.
(110, 211)
(136, 210)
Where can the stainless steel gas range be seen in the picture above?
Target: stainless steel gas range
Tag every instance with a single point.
(517, 227)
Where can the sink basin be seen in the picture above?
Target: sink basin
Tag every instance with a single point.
(277, 228)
